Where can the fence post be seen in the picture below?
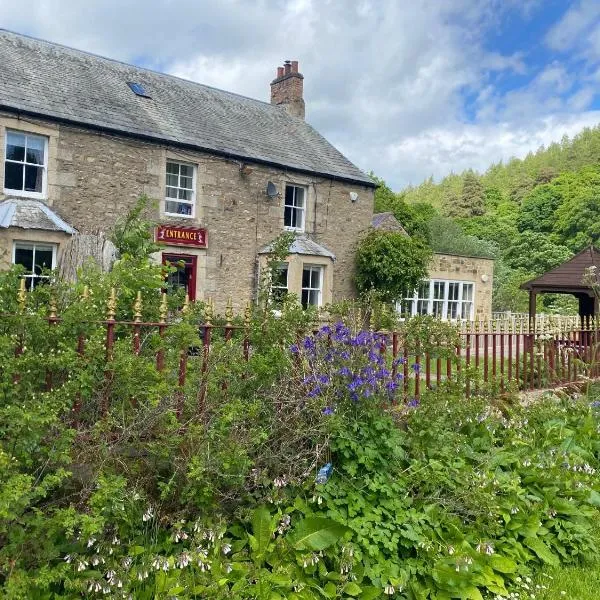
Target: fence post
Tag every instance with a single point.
(205, 357)
(52, 320)
(137, 319)
(162, 326)
(183, 357)
(111, 311)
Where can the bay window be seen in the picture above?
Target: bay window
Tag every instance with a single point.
(37, 259)
(312, 285)
(441, 298)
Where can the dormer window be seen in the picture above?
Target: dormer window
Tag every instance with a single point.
(294, 209)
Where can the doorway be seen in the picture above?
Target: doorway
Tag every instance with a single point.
(184, 277)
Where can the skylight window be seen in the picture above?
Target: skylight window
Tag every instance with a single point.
(138, 89)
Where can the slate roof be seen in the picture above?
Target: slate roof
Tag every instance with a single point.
(49, 80)
(568, 276)
(387, 221)
(304, 245)
(31, 214)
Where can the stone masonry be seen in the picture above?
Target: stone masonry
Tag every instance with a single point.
(480, 271)
(94, 177)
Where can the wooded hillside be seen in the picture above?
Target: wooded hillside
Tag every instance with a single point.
(529, 214)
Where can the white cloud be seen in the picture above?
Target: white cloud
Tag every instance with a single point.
(574, 25)
(384, 80)
(437, 152)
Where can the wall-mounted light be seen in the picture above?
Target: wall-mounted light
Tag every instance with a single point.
(484, 278)
(353, 197)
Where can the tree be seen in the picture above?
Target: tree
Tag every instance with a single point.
(389, 263)
(535, 252)
(538, 207)
(448, 237)
(471, 202)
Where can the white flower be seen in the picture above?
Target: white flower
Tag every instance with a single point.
(226, 548)
(91, 542)
(148, 514)
(183, 560)
(388, 590)
(82, 565)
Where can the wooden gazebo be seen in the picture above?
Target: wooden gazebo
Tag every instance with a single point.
(568, 278)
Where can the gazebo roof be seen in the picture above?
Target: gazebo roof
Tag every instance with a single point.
(568, 277)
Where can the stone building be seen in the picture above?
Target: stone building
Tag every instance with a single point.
(84, 136)
(458, 287)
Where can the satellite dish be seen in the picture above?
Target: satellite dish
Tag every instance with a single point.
(271, 190)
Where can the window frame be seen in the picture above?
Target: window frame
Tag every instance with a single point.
(194, 167)
(23, 193)
(284, 266)
(304, 189)
(321, 270)
(31, 277)
(417, 300)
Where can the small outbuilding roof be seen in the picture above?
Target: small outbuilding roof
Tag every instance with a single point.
(387, 222)
(303, 245)
(568, 277)
(31, 214)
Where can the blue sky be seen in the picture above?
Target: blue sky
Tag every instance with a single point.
(406, 89)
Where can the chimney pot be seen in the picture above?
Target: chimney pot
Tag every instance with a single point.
(287, 89)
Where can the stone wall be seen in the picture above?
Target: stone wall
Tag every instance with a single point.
(97, 177)
(480, 271)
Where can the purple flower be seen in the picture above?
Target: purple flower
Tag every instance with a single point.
(344, 371)
(314, 392)
(328, 410)
(413, 403)
(324, 379)
(294, 349)
(416, 367)
(399, 361)
(325, 330)
(309, 344)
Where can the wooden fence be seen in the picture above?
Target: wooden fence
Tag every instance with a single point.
(487, 355)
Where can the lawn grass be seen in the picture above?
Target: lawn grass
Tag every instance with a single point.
(569, 583)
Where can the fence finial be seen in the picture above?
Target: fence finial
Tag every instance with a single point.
(229, 312)
(53, 308)
(164, 308)
(137, 308)
(208, 312)
(111, 305)
(247, 314)
(21, 295)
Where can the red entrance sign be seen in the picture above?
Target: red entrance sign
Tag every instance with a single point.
(181, 236)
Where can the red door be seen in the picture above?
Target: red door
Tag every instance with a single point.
(185, 274)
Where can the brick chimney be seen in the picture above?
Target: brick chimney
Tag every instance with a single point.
(287, 89)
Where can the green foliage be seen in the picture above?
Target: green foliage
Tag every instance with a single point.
(535, 252)
(471, 202)
(448, 237)
(538, 207)
(306, 477)
(390, 263)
